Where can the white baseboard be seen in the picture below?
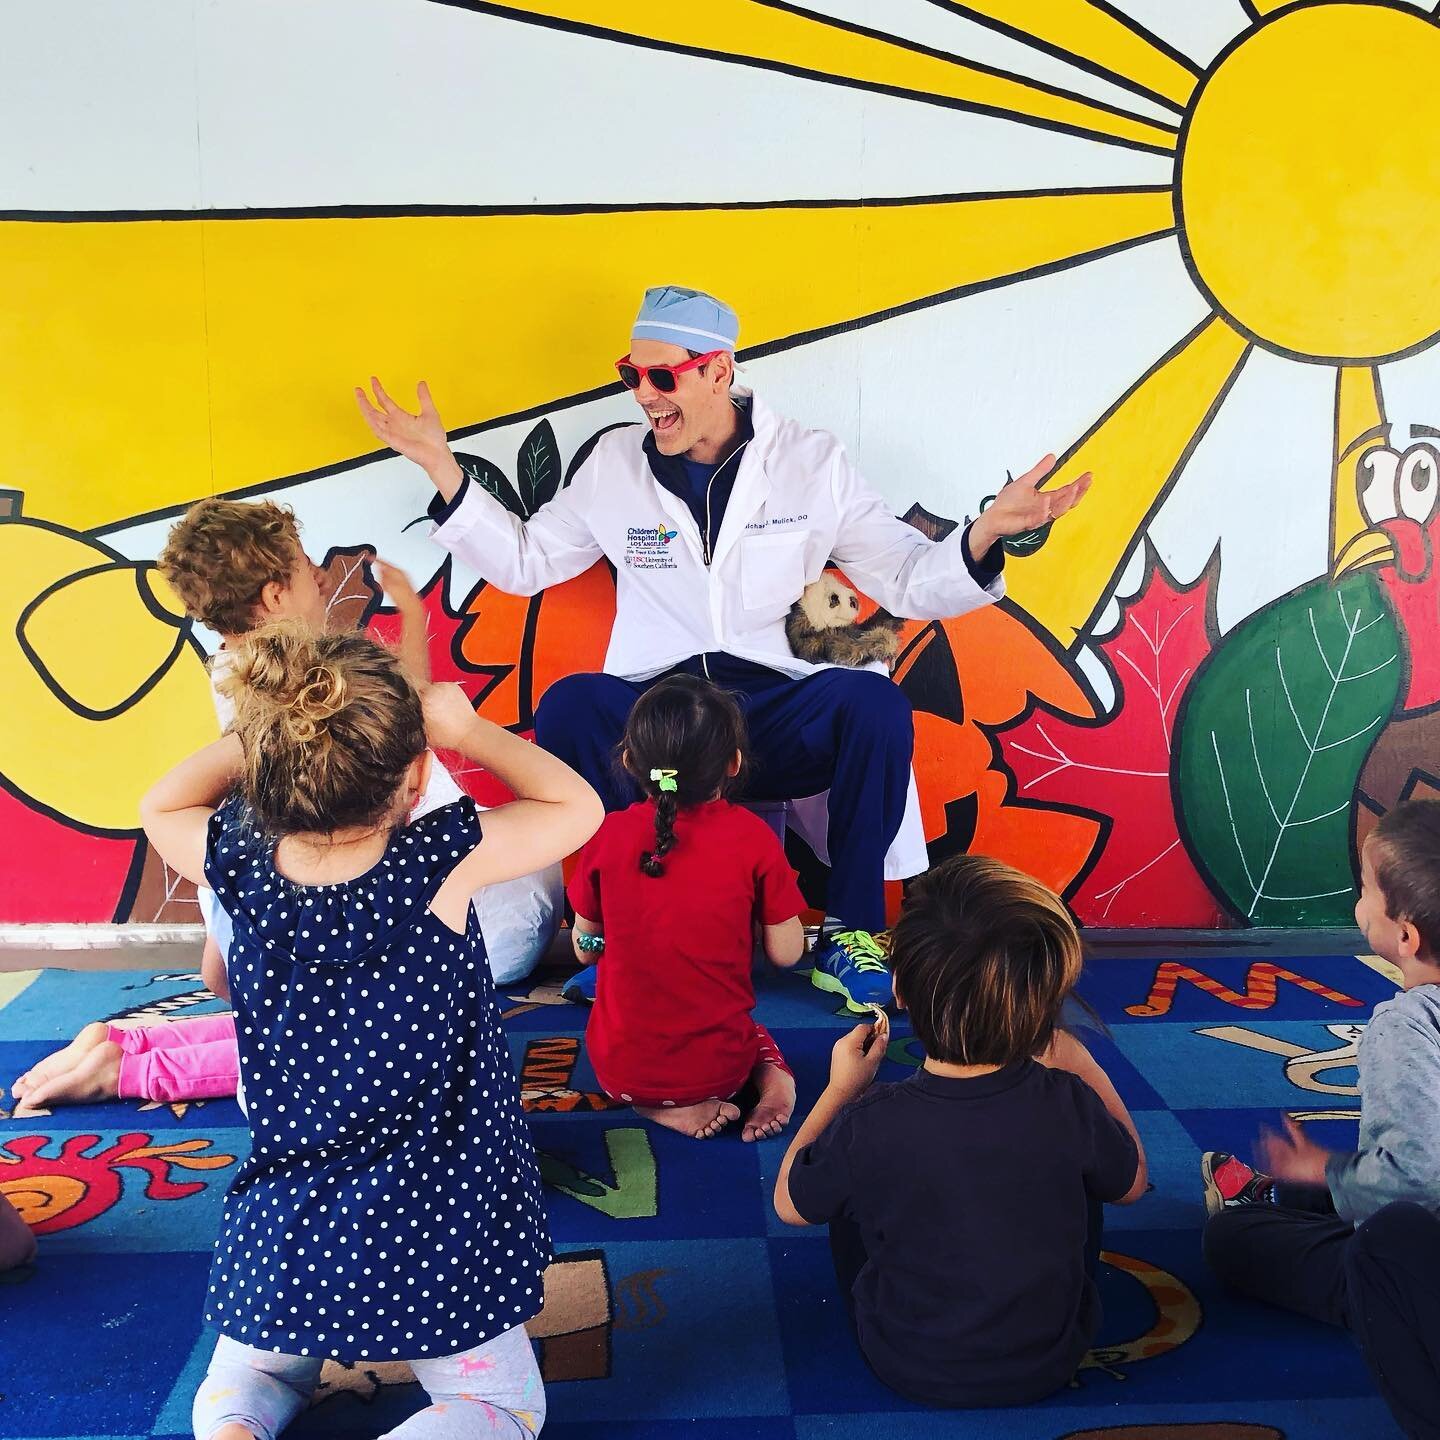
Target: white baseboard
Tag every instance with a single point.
(97, 937)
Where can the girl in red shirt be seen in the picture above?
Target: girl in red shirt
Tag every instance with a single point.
(673, 890)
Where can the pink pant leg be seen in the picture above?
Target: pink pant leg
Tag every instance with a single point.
(185, 1072)
(196, 1030)
(201, 1062)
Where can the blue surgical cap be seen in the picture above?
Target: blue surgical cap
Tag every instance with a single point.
(689, 318)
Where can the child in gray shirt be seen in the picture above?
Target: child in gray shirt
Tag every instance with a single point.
(1399, 1152)
(1287, 1233)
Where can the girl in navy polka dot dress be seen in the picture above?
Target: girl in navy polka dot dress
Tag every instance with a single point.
(390, 1207)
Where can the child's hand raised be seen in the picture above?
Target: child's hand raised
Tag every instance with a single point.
(1293, 1156)
(857, 1056)
(414, 631)
(449, 716)
(396, 584)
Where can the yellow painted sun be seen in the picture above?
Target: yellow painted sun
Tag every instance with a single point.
(1308, 176)
(1306, 195)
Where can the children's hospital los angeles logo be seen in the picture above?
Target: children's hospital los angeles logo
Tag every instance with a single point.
(647, 547)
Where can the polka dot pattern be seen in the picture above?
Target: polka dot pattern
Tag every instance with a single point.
(391, 1203)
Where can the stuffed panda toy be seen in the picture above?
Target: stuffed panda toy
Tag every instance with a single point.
(823, 627)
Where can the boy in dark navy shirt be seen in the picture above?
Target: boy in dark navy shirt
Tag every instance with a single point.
(964, 1204)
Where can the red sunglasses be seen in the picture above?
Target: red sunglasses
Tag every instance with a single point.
(662, 377)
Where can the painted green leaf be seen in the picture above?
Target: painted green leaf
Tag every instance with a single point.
(1271, 742)
(538, 467)
(1028, 541)
(486, 473)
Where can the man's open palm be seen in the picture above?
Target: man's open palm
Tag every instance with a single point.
(420, 438)
(1021, 505)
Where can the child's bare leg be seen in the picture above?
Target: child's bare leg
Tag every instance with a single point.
(61, 1060)
(699, 1122)
(95, 1076)
(772, 1078)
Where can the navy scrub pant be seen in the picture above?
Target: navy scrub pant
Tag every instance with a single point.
(1381, 1282)
(847, 731)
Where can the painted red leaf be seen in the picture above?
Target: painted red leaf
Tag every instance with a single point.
(50, 870)
(1117, 767)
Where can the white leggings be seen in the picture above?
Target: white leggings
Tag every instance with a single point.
(493, 1392)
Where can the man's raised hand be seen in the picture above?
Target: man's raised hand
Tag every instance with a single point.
(417, 437)
(420, 438)
(1022, 505)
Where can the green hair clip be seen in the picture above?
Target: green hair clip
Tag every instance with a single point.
(666, 779)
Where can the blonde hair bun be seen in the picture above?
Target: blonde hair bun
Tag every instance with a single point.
(328, 722)
(282, 679)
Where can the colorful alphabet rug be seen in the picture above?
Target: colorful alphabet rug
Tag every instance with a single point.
(679, 1305)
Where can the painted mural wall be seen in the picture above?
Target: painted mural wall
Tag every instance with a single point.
(1189, 247)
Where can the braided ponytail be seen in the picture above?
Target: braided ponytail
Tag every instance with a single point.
(667, 806)
(680, 743)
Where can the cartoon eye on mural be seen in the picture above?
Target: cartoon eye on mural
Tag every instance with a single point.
(1171, 242)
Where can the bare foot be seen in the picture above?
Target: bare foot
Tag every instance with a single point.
(95, 1077)
(699, 1122)
(60, 1061)
(776, 1104)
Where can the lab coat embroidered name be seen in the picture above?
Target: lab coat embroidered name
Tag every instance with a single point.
(776, 521)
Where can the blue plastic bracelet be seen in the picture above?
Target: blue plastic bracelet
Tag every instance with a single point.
(590, 944)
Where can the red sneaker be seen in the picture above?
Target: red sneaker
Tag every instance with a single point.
(1230, 1183)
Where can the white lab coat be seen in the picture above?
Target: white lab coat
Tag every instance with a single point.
(797, 505)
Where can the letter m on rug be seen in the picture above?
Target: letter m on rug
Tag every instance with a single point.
(1261, 982)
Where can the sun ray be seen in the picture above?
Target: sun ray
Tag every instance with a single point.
(253, 357)
(1359, 427)
(781, 36)
(1136, 451)
(1101, 41)
(1259, 9)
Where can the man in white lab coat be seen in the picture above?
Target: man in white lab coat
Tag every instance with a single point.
(716, 513)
